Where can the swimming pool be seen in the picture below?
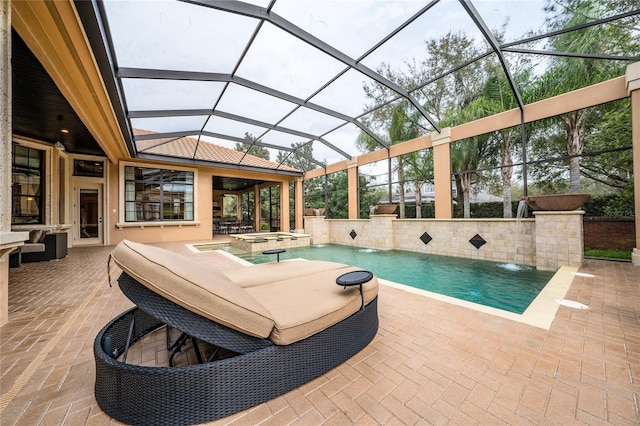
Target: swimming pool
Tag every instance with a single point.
(478, 281)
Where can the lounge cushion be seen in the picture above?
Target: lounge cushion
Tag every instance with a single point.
(33, 248)
(266, 273)
(36, 236)
(306, 305)
(194, 286)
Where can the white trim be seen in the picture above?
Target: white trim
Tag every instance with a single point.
(79, 185)
(77, 182)
(66, 183)
(158, 223)
(122, 223)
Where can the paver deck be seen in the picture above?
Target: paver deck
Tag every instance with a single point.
(431, 362)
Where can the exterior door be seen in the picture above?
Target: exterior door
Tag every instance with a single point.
(87, 226)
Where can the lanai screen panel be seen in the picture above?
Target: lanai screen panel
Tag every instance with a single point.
(320, 73)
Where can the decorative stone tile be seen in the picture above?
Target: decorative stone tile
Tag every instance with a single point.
(477, 241)
(353, 234)
(425, 238)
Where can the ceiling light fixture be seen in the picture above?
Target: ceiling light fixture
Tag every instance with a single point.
(65, 131)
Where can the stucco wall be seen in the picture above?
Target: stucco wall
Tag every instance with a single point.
(152, 232)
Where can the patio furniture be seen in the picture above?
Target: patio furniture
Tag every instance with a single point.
(276, 252)
(15, 258)
(355, 278)
(41, 246)
(287, 322)
(53, 247)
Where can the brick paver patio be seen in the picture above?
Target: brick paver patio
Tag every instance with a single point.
(431, 362)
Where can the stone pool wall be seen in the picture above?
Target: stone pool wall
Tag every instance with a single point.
(549, 241)
(266, 241)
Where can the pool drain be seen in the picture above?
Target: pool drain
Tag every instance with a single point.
(571, 304)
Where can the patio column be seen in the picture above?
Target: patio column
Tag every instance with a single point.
(256, 207)
(299, 205)
(8, 240)
(352, 184)
(441, 143)
(284, 206)
(632, 79)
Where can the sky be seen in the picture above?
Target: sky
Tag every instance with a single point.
(180, 36)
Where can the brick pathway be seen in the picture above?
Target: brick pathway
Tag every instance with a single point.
(431, 362)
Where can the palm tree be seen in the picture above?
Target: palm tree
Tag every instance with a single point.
(500, 98)
(419, 167)
(467, 154)
(403, 127)
(568, 74)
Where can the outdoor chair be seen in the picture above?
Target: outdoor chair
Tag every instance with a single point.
(287, 323)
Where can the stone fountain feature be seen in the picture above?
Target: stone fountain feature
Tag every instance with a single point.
(558, 202)
(385, 208)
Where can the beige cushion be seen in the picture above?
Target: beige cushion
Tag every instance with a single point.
(278, 271)
(32, 248)
(36, 235)
(194, 286)
(304, 307)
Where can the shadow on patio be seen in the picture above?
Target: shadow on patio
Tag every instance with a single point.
(430, 362)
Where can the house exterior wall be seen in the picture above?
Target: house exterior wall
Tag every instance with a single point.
(200, 229)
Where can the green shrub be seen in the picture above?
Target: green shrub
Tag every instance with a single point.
(614, 206)
(608, 254)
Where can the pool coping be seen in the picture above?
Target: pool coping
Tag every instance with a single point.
(540, 313)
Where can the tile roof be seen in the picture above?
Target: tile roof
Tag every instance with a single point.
(184, 147)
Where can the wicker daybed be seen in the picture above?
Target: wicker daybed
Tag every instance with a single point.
(287, 322)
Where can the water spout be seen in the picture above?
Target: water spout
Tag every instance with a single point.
(522, 207)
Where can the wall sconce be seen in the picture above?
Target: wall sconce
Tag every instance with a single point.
(59, 146)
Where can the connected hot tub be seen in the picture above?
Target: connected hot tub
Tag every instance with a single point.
(261, 241)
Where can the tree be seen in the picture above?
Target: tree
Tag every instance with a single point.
(467, 154)
(299, 158)
(314, 193)
(500, 98)
(338, 195)
(250, 148)
(455, 90)
(566, 74)
(613, 168)
(402, 127)
(419, 168)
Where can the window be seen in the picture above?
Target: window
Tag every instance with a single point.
(87, 168)
(158, 194)
(27, 186)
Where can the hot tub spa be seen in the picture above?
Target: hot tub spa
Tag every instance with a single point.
(261, 241)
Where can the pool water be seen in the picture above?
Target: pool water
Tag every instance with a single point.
(498, 285)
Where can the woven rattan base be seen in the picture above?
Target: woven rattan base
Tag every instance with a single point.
(199, 393)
